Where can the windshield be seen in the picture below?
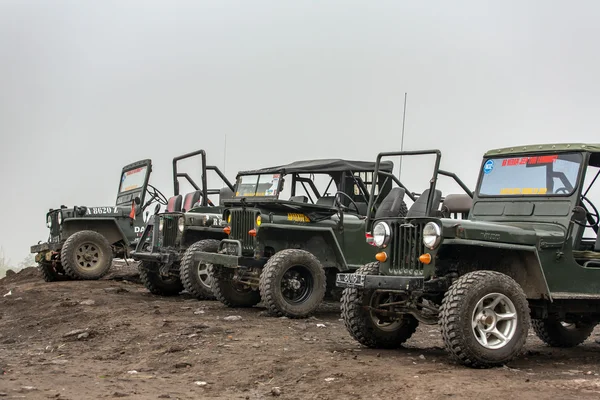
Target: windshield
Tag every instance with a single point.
(258, 185)
(133, 179)
(552, 174)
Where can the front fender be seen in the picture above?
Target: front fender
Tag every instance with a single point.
(107, 227)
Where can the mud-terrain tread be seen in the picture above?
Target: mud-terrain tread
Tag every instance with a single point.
(217, 273)
(151, 284)
(187, 262)
(450, 314)
(351, 303)
(269, 289)
(68, 249)
(552, 337)
(48, 273)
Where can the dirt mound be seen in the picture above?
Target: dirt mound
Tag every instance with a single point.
(112, 338)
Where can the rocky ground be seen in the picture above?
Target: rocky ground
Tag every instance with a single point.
(112, 339)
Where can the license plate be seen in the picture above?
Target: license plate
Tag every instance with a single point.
(350, 280)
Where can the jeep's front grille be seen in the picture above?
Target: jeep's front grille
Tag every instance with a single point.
(241, 222)
(407, 245)
(169, 231)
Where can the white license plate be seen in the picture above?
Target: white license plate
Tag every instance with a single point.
(350, 280)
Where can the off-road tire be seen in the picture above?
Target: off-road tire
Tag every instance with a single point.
(456, 314)
(188, 270)
(49, 274)
(358, 321)
(554, 334)
(271, 279)
(226, 293)
(155, 283)
(97, 244)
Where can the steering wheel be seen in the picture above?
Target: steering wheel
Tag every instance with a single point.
(349, 198)
(157, 195)
(595, 216)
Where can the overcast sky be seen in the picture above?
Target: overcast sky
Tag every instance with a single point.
(88, 86)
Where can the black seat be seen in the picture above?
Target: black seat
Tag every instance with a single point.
(224, 194)
(326, 201)
(391, 206)
(362, 207)
(455, 204)
(190, 200)
(174, 204)
(299, 199)
(419, 208)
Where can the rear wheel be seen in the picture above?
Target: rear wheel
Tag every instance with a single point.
(156, 283)
(292, 283)
(229, 292)
(369, 328)
(484, 319)
(558, 333)
(86, 255)
(194, 274)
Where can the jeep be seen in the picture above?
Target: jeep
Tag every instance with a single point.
(84, 240)
(189, 223)
(519, 258)
(290, 229)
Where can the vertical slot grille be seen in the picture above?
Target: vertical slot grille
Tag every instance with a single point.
(169, 233)
(241, 222)
(407, 247)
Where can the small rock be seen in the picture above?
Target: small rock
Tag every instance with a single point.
(232, 318)
(10, 272)
(184, 308)
(183, 365)
(201, 383)
(256, 346)
(74, 332)
(175, 349)
(116, 290)
(28, 388)
(276, 391)
(2, 394)
(132, 372)
(83, 335)
(422, 357)
(119, 394)
(321, 326)
(198, 312)
(329, 379)
(68, 303)
(88, 302)
(589, 373)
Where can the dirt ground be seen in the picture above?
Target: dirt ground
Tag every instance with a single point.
(112, 338)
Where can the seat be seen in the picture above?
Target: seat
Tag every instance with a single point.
(326, 201)
(419, 208)
(391, 206)
(174, 204)
(455, 204)
(190, 200)
(224, 194)
(362, 207)
(299, 199)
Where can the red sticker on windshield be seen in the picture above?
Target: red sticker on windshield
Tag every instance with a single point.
(509, 162)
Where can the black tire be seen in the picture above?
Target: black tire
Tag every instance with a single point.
(155, 283)
(190, 270)
(301, 266)
(49, 273)
(458, 312)
(86, 255)
(552, 332)
(361, 323)
(229, 293)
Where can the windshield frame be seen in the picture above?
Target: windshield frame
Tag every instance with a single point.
(258, 176)
(576, 182)
(121, 192)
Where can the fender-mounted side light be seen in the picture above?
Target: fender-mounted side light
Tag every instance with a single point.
(227, 230)
(381, 257)
(425, 258)
(252, 232)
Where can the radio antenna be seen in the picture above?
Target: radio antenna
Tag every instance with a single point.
(402, 139)
(225, 156)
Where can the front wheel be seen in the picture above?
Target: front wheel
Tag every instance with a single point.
(86, 255)
(156, 283)
(50, 273)
(229, 292)
(292, 283)
(366, 326)
(194, 274)
(558, 333)
(484, 319)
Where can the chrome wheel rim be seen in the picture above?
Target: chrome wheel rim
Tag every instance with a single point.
(494, 321)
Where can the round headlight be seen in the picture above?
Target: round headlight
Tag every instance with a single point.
(258, 220)
(381, 234)
(59, 218)
(180, 223)
(161, 224)
(431, 235)
(49, 222)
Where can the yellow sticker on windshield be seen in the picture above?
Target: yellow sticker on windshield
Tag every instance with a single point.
(298, 217)
(523, 191)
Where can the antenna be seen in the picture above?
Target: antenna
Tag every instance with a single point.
(402, 140)
(225, 156)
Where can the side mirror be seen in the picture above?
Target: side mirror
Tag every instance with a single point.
(137, 200)
(579, 214)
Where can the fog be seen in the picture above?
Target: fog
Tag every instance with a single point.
(87, 87)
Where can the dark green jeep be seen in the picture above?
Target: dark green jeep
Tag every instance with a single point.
(521, 258)
(83, 240)
(192, 223)
(291, 229)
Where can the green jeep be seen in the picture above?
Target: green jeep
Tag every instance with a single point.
(291, 229)
(190, 223)
(521, 258)
(83, 240)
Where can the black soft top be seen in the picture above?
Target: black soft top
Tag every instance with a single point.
(323, 165)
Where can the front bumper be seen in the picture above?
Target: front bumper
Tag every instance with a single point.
(166, 257)
(38, 248)
(407, 283)
(225, 258)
